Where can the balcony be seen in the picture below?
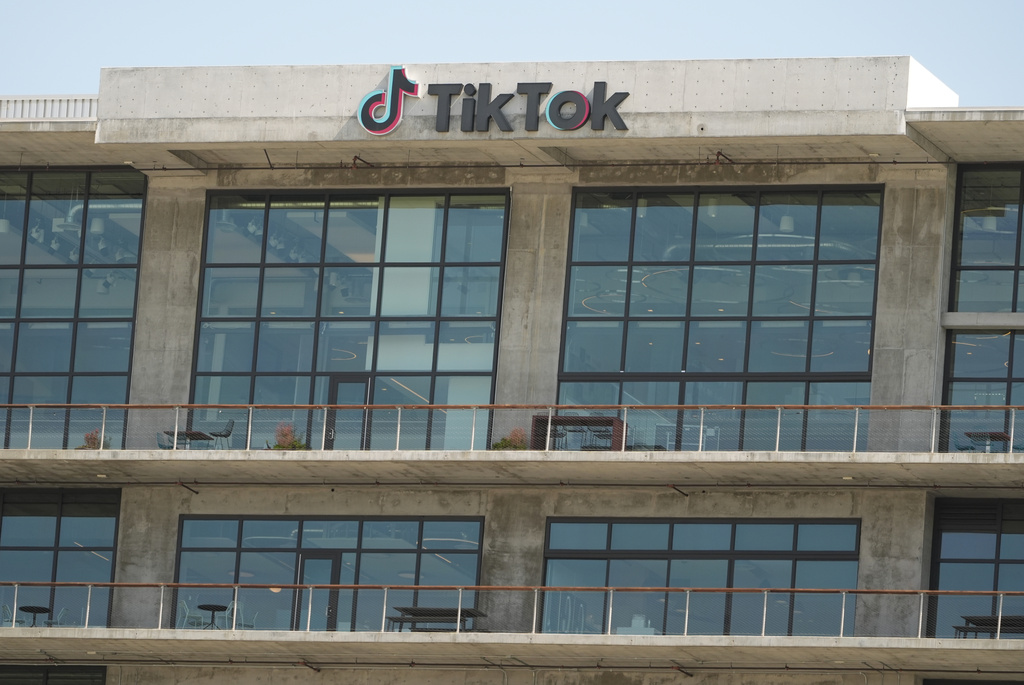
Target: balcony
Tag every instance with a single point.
(515, 627)
(783, 446)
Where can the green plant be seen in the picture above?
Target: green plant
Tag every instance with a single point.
(515, 440)
(92, 441)
(285, 438)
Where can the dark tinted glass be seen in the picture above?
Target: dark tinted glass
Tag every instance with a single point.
(578, 536)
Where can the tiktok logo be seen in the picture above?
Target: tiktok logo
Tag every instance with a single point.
(380, 122)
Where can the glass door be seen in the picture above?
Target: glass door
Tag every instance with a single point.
(346, 428)
(325, 609)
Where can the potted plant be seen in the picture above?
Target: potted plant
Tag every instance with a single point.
(92, 441)
(285, 438)
(515, 440)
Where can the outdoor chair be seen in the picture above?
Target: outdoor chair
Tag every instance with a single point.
(59, 619)
(220, 438)
(7, 618)
(188, 619)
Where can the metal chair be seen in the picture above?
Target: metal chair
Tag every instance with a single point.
(59, 620)
(220, 438)
(188, 619)
(7, 618)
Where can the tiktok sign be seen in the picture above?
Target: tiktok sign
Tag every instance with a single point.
(380, 112)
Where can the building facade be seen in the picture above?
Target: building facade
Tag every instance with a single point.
(692, 329)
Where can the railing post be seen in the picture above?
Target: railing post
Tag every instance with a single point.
(103, 427)
(920, 617)
(611, 596)
(686, 616)
(458, 613)
(536, 597)
(177, 412)
(472, 431)
(764, 614)
(248, 428)
(935, 432)
(234, 609)
(842, 616)
(856, 427)
(14, 611)
(159, 614)
(309, 608)
(778, 429)
(547, 436)
(28, 445)
(999, 616)
(1013, 424)
(384, 611)
(323, 433)
(398, 430)
(700, 448)
(625, 415)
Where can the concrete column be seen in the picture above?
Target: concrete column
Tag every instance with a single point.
(534, 291)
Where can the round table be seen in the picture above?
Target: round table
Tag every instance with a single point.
(34, 610)
(213, 609)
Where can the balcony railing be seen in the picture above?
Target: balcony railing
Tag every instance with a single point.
(553, 610)
(513, 427)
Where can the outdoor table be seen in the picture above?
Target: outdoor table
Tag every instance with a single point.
(986, 438)
(417, 617)
(34, 610)
(213, 609)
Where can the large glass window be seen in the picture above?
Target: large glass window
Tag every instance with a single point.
(322, 551)
(987, 262)
(53, 675)
(58, 536)
(770, 292)
(69, 245)
(698, 553)
(978, 545)
(306, 296)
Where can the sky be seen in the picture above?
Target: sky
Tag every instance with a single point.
(57, 47)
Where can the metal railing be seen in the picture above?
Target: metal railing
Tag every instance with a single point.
(630, 611)
(515, 427)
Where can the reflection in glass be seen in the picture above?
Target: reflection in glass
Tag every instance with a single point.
(235, 231)
(844, 289)
(114, 217)
(230, 292)
(9, 279)
(849, 225)
(588, 394)
(984, 291)
(601, 227)
(285, 346)
(349, 291)
(824, 537)
(981, 354)
(725, 227)
(841, 346)
(354, 229)
(785, 226)
(55, 218)
(597, 291)
(720, 291)
(107, 293)
(465, 346)
(639, 536)
(578, 536)
(409, 291)
(280, 390)
(345, 346)
(989, 213)
(103, 346)
(225, 346)
(654, 346)
(659, 291)
(702, 536)
(782, 290)
(476, 224)
(49, 293)
(40, 390)
(470, 291)
(716, 346)
(6, 349)
(290, 292)
(664, 223)
(764, 536)
(222, 389)
(44, 347)
(13, 191)
(414, 229)
(405, 346)
(593, 346)
(295, 226)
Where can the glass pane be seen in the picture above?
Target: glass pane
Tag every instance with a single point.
(984, 291)
(844, 289)
(706, 609)
(654, 346)
(222, 390)
(414, 229)
(115, 212)
(290, 292)
(841, 346)
(598, 291)
(107, 293)
(88, 524)
(49, 293)
(225, 346)
(207, 567)
(588, 394)
(391, 534)
(476, 224)
(209, 533)
(406, 346)
(785, 226)
(230, 292)
(451, 535)
(13, 191)
(640, 536)
(9, 279)
(40, 390)
(257, 533)
(782, 290)
(638, 613)
(720, 291)
(55, 218)
(578, 536)
(827, 537)
(716, 346)
(235, 233)
(345, 346)
(6, 347)
(465, 346)
(285, 346)
(725, 227)
(778, 346)
(349, 291)
(764, 536)
(747, 615)
(280, 390)
(330, 534)
(659, 291)
(354, 229)
(954, 545)
(100, 390)
(664, 223)
(295, 226)
(981, 354)
(470, 291)
(103, 346)
(601, 227)
(29, 524)
(44, 347)
(593, 346)
(409, 291)
(702, 536)
(849, 225)
(989, 204)
(462, 390)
